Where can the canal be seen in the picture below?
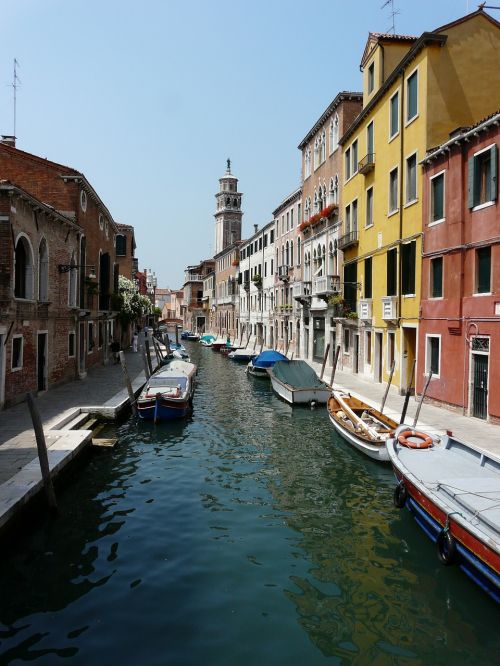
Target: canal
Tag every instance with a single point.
(249, 535)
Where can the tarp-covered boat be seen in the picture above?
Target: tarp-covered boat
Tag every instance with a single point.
(453, 491)
(258, 366)
(364, 427)
(297, 383)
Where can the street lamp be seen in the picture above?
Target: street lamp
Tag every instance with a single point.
(65, 268)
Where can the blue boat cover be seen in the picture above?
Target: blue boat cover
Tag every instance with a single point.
(268, 358)
(297, 374)
(208, 337)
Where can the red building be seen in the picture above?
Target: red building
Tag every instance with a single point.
(459, 332)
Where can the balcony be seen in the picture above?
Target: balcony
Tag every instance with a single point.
(348, 240)
(283, 273)
(193, 277)
(365, 309)
(389, 308)
(246, 285)
(302, 292)
(326, 285)
(367, 164)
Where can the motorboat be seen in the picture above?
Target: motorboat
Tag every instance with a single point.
(453, 491)
(259, 365)
(168, 393)
(242, 355)
(297, 383)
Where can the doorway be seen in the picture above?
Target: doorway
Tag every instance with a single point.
(319, 338)
(378, 357)
(41, 362)
(409, 356)
(479, 371)
(355, 360)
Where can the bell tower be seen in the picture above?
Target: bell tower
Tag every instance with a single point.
(228, 212)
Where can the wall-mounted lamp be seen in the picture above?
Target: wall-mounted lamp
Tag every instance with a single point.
(65, 268)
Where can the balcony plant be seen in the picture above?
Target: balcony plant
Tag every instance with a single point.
(257, 280)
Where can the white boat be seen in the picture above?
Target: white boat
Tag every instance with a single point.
(362, 426)
(453, 491)
(168, 393)
(297, 383)
(258, 366)
(242, 355)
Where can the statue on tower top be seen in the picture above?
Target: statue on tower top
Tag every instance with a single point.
(228, 165)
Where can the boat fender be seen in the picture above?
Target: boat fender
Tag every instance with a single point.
(446, 547)
(425, 443)
(313, 404)
(400, 495)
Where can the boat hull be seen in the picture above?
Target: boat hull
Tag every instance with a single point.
(299, 396)
(162, 410)
(255, 371)
(378, 453)
(477, 547)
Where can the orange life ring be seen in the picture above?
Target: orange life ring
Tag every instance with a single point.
(404, 441)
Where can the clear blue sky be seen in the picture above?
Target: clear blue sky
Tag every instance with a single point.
(148, 98)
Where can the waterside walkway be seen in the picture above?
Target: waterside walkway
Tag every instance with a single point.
(102, 391)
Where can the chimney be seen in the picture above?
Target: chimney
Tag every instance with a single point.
(256, 228)
(8, 140)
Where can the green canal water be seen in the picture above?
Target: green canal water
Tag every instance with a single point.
(246, 535)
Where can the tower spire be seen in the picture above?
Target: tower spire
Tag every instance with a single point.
(228, 170)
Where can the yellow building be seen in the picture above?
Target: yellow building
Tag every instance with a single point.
(416, 91)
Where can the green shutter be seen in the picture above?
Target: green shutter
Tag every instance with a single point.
(494, 172)
(471, 181)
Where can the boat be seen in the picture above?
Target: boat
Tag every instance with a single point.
(185, 334)
(194, 337)
(258, 366)
(453, 491)
(207, 339)
(362, 426)
(168, 393)
(297, 383)
(218, 343)
(242, 355)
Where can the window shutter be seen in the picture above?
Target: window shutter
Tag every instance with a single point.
(494, 172)
(471, 182)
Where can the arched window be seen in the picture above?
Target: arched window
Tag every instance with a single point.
(334, 133)
(43, 271)
(316, 153)
(307, 209)
(298, 251)
(322, 148)
(287, 255)
(316, 202)
(23, 268)
(307, 162)
(291, 253)
(330, 259)
(320, 199)
(72, 282)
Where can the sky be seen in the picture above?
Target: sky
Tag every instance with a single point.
(148, 98)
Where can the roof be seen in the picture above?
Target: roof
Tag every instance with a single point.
(377, 37)
(296, 194)
(341, 97)
(462, 134)
(125, 227)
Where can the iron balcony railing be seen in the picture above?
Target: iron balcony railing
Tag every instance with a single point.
(348, 240)
(367, 163)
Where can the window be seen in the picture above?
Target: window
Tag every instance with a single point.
(43, 272)
(394, 115)
(17, 352)
(483, 270)
(334, 133)
(483, 186)
(436, 278)
(23, 283)
(393, 191)
(437, 198)
(299, 207)
(72, 283)
(298, 251)
(121, 246)
(354, 213)
(371, 77)
(307, 162)
(347, 219)
(369, 207)
(370, 140)
(368, 277)
(291, 219)
(71, 344)
(83, 200)
(348, 164)
(392, 257)
(411, 178)
(346, 340)
(412, 96)
(408, 251)
(322, 148)
(432, 354)
(354, 151)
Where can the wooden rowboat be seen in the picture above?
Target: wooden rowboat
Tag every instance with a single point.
(362, 426)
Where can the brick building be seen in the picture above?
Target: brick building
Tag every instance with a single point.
(125, 251)
(90, 267)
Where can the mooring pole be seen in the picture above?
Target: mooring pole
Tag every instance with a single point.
(176, 334)
(422, 398)
(148, 356)
(128, 383)
(393, 365)
(334, 366)
(324, 360)
(408, 393)
(42, 452)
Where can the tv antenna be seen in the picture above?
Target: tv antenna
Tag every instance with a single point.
(16, 82)
(393, 14)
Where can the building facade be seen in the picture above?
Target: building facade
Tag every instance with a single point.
(459, 334)
(194, 314)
